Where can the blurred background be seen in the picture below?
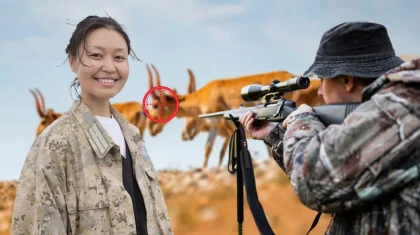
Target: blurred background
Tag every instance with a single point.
(215, 39)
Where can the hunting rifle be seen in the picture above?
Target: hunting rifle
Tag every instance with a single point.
(278, 109)
(274, 109)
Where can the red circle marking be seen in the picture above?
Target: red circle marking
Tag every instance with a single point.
(173, 95)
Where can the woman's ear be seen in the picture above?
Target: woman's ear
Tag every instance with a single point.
(73, 65)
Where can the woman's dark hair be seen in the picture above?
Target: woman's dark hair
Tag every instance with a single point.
(86, 26)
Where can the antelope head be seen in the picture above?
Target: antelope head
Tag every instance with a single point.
(159, 103)
(47, 116)
(162, 103)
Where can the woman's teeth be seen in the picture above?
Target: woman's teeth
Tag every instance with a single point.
(107, 81)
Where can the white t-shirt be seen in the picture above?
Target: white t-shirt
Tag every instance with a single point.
(114, 131)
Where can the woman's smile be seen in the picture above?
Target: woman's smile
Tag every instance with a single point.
(107, 81)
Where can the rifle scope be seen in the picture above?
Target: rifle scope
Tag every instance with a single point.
(255, 92)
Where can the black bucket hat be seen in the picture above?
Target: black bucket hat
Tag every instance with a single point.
(359, 49)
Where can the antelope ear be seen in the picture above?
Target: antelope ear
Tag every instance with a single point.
(176, 92)
(181, 98)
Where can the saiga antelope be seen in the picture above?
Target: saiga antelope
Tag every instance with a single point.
(132, 111)
(219, 95)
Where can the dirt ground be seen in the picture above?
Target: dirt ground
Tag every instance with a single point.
(215, 213)
(205, 204)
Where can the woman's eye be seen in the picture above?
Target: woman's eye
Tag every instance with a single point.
(96, 55)
(119, 58)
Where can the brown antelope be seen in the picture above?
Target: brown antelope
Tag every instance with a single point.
(132, 111)
(219, 95)
(47, 116)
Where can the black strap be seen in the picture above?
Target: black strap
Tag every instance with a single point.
(315, 222)
(239, 155)
(246, 172)
(240, 199)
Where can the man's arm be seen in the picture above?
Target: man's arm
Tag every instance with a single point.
(329, 166)
(39, 206)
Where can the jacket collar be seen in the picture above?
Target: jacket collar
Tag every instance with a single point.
(97, 136)
(408, 72)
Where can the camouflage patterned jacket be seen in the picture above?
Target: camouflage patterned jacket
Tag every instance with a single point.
(72, 180)
(364, 172)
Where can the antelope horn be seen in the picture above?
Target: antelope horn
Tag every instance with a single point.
(157, 75)
(42, 100)
(151, 81)
(162, 97)
(191, 84)
(38, 108)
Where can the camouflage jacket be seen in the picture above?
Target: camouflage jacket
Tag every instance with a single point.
(71, 181)
(364, 172)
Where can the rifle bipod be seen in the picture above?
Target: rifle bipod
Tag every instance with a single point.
(239, 155)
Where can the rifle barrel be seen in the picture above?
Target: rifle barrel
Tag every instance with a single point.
(216, 114)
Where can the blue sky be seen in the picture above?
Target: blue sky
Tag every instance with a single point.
(216, 39)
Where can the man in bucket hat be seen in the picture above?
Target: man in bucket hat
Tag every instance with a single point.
(365, 172)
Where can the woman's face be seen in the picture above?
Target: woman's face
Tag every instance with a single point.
(103, 69)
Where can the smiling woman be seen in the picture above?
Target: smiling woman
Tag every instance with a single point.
(89, 171)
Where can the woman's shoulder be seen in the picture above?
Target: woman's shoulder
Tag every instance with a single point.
(57, 135)
(64, 123)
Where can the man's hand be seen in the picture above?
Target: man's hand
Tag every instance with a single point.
(257, 128)
(303, 108)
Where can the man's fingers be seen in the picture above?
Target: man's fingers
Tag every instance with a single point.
(249, 124)
(284, 123)
(243, 118)
(304, 108)
(247, 117)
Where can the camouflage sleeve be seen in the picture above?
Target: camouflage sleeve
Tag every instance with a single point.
(39, 206)
(275, 141)
(329, 168)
